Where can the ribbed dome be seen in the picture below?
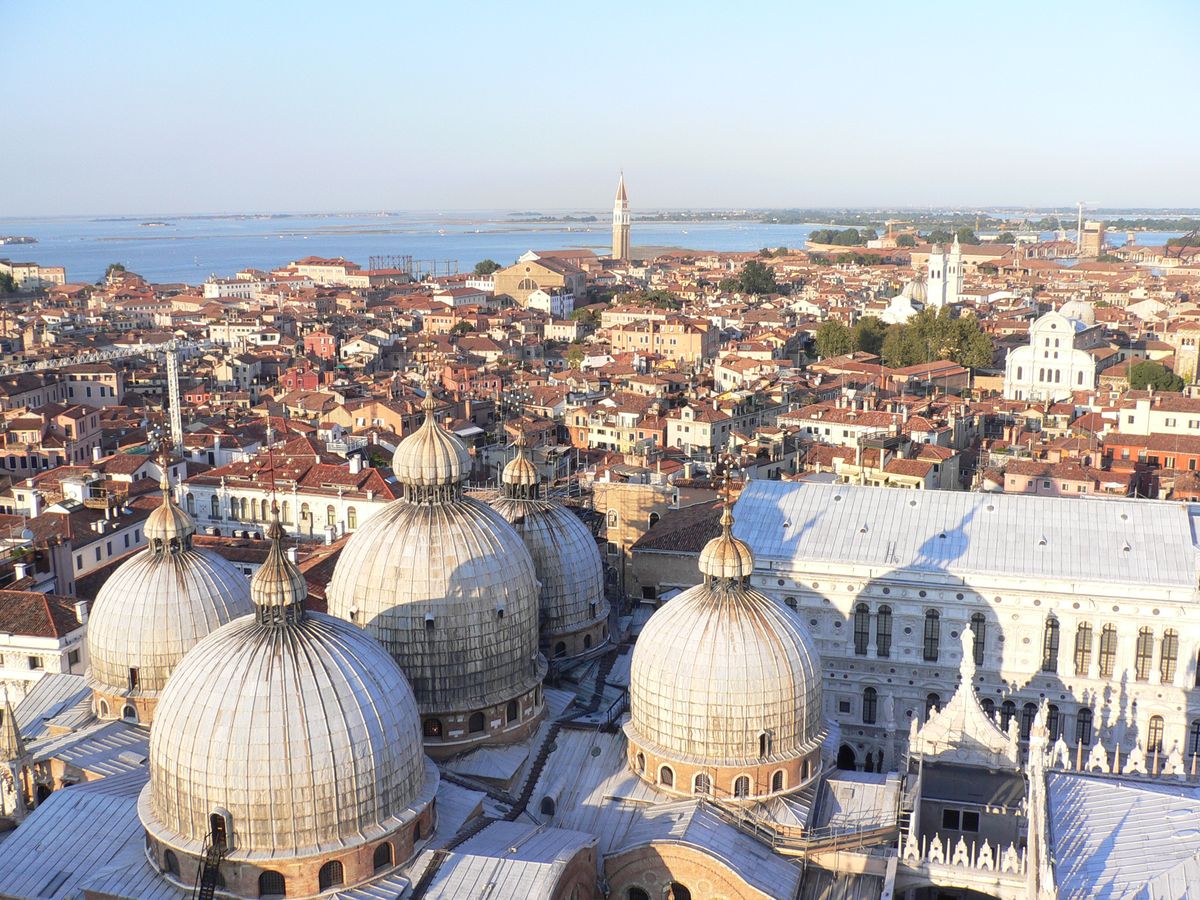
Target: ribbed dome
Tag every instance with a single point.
(449, 589)
(1080, 310)
(431, 456)
(916, 290)
(720, 665)
(521, 470)
(300, 726)
(725, 556)
(566, 561)
(157, 605)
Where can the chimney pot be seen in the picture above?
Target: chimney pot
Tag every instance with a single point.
(81, 611)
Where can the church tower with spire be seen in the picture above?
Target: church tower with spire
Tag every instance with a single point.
(620, 222)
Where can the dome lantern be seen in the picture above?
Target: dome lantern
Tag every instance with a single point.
(278, 590)
(431, 463)
(725, 557)
(520, 479)
(169, 529)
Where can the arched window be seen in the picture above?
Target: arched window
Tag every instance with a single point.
(527, 284)
(870, 705)
(103, 711)
(128, 713)
(351, 518)
(764, 744)
(1050, 645)
(741, 786)
(264, 514)
(330, 516)
(612, 518)
(979, 632)
(702, 785)
(862, 629)
(777, 781)
(1194, 738)
(247, 509)
(330, 875)
(383, 856)
(547, 806)
(560, 649)
(285, 513)
(1108, 650)
(989, 706)
(1053, 721)
(1028, 714)
(654, 517)
(1083, 649)
(513, 712)
(171, 863)
(932, 704)
(432, 728)
(1008, 709)
(1083, 727)
(271, 884)
(678, 892)
(636, 893)
(641, 763)
(417, 832)
(475, 723)
(883, 632)
(933, 635)
(1145, 654)
(215, 507)
(1170, 655)
(1154, 735)
(666, 776)
(587, 642)
(190, 502)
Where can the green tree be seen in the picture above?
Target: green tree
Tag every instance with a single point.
(833, 339)
(575, 356)
(931, 335)
(462, 328)
(1006, 237)
(906, 240)
(729, 285)
(939, 236)
(867, 335)
(870, 234)
(766, 252)
(966, 235)
(8, 284)
(1148, 373)
(114, 267)
(585, 315)
(486, 267)
(757, 278)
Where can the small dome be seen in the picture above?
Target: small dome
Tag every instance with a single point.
(157, 605)
(168, 522)
(725, 556)
(521, 470)
(278, 589)
(431, 456)
(916, 289)
(300, 727)
(1080, 311)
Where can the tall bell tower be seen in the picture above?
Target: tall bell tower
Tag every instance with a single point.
(620, 222)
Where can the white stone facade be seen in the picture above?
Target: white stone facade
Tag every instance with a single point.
(1056, 361)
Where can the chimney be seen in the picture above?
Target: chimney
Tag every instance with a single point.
(81, 611)
(22, 570)
(356, 465)
(293, 555)
(35, 503)
(96, 454)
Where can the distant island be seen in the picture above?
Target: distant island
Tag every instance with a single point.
(17, 239)
(157, 224)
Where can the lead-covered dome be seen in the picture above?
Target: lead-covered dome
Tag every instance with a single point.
(445, 584)
(294, 727)
(155, 607)
(724, 675)
(564, 555)
(1080, 311)
(431, 456)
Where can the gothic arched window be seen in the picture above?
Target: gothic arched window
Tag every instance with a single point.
(1083, 727)
(870, 705)
(1083, 649)
(1145, 654)
(883, 632)
(979, 630)
(1170, 655)
(933, 634)
(1154, 735)
(1050, 646)
(1108, 650)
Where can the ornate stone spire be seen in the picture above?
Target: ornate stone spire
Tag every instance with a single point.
(12, 745)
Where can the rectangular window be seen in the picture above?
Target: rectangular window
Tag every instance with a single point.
(35, 663)
(73, 658)
(843, 706)
(1170, 655)
(1108, 651)
(862, 630)
(950, 820)
(1083, 650)
(1145, 655)
(970, 821)
(883, 632)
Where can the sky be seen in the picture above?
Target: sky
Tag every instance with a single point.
(127, 108)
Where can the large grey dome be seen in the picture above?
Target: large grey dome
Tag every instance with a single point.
(444, 583)
(563, 550)
(449, 589)
(722, 664)
(156, 606)
(297, 725)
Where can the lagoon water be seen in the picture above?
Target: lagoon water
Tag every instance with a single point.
(189, 249)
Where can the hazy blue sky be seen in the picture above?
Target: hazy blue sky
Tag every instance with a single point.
(220, 106)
